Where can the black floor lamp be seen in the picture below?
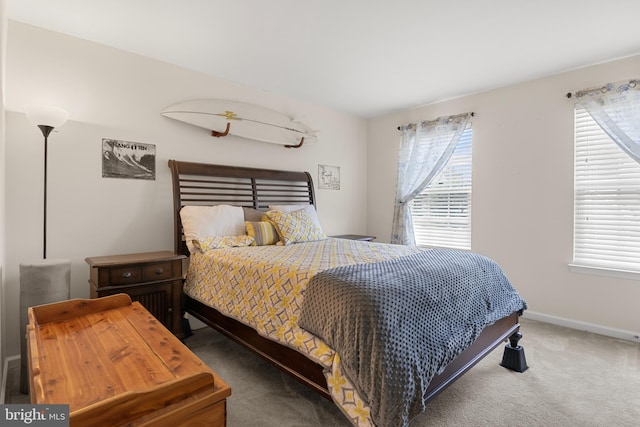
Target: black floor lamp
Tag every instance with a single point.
(46, 118)
(47, 280)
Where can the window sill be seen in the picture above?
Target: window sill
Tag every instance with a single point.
(605, 271)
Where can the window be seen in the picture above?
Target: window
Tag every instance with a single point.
(606, 200)
(442, 211)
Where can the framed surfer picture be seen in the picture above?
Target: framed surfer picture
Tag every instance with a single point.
(125, 159)
(328, 177)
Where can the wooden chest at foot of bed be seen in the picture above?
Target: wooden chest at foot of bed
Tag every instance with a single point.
(115, 364)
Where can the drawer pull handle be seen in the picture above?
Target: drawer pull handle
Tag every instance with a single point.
(159, 271)
(126, 275)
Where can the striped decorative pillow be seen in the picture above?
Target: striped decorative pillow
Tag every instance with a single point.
(263, 233)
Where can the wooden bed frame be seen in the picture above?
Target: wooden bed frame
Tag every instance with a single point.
(208, 184)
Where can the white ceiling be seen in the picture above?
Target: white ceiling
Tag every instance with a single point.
(364, 57)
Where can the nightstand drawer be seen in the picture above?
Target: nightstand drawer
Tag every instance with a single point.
(159, 271)
(125, 275)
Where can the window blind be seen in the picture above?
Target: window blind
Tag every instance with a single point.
(606, 200)
(442, 212)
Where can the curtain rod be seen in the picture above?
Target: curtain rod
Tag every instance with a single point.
(604, 88)
(456, 115)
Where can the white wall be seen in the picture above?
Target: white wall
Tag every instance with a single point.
(523, 144)
(522, 213)
(113, 94)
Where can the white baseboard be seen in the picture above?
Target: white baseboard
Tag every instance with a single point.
(5, 372)
(583, 326)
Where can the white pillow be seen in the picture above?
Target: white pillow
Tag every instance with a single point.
(310, 209)
(200, 222)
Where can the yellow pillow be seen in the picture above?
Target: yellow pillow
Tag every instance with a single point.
(263, 233)
(217, 242)
(295, 227)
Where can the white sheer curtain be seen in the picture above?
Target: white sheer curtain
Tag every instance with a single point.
(425, 148)
(616, 109)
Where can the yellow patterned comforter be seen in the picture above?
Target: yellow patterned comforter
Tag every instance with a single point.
(263, 286)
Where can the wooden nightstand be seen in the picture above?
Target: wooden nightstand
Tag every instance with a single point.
(355, 237)
(152, 278)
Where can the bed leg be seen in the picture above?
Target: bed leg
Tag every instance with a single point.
(186, 327)
(513, 357)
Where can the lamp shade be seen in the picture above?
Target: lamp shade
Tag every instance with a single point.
(46, 115)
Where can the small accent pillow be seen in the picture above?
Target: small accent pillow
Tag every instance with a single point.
(263, 233)
(218, 242)
(295, 227)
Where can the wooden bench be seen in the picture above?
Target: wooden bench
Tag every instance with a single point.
(114, 364)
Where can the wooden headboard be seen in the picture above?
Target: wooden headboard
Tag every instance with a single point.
(208, 185)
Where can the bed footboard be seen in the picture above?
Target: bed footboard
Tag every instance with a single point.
(311, 374)
(490, 338)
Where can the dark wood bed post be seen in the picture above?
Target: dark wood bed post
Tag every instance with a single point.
(177, 226)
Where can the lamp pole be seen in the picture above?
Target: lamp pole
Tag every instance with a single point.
(46, 118)
(46, 130)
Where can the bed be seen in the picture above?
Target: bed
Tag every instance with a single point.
(295, 350)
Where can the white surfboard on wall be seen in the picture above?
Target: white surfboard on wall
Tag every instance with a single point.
(224, 117)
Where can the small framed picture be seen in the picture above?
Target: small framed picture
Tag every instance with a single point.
(328, 177)
(125, 159)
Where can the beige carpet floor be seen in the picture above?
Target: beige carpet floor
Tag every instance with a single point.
(575, 378)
